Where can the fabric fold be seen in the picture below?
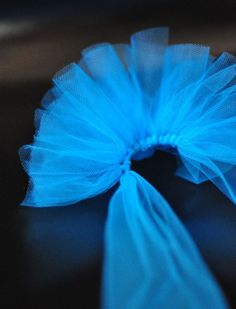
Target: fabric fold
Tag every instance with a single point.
(150, 260)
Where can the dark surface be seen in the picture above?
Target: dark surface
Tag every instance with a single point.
(52, 257)
(209, 9)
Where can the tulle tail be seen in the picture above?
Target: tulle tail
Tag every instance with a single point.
(150, 260)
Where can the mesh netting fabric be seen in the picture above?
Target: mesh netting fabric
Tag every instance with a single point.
(120, 103)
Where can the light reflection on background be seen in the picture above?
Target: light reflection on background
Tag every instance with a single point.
(13, 28)
(54, 256)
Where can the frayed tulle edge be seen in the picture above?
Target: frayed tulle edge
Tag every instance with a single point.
(27, 203)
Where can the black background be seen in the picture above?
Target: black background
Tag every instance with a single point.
(52, 257)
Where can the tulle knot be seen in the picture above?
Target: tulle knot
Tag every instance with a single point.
(155, 140)
(168, 140)
(145, 143)
(125, 166)
(144, 148)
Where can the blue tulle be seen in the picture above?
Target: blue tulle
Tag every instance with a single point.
(120, 103)
(150, 260)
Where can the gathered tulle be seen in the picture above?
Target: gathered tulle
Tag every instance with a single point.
(120, 94)
(120, 103)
